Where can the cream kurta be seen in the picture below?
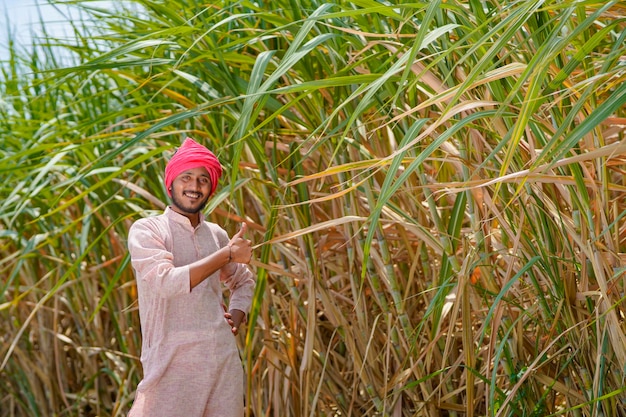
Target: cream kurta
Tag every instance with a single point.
(189, 355)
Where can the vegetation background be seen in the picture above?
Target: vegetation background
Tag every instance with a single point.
(436, 190)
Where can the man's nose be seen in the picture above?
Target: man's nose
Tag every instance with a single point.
(195, 185)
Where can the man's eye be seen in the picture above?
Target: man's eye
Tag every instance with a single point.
(204, 180)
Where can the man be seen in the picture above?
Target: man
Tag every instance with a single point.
(189, 354)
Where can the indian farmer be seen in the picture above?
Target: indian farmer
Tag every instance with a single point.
(191, 364)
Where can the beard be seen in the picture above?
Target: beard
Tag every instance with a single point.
(189, 208)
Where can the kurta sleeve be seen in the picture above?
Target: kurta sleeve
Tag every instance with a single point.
(240, 281)
(153, 263)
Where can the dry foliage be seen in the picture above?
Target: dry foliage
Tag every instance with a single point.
(436, 190)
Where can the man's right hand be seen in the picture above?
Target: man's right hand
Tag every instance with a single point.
(240, 248)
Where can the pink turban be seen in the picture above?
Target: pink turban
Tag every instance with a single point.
(192, 155)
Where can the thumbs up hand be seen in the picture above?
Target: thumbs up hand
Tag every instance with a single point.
(240, 248)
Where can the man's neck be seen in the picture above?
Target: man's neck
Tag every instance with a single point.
(194, 218)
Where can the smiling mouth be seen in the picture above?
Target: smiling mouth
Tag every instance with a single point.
(192, 195)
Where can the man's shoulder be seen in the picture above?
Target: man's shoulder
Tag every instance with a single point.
(216, 230)
(147, 229)
(149, 221)
(151, 216)
(214, 227)
(210, 223)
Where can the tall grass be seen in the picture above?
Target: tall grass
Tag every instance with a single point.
(436, 191)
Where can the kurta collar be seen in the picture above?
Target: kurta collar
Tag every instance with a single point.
(181, 219)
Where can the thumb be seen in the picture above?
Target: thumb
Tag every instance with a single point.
(241, 231)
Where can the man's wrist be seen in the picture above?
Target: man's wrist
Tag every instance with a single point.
(228, 258)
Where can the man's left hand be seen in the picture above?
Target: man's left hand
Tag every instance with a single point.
(235, 318)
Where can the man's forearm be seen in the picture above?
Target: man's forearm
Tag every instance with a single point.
(205, 267)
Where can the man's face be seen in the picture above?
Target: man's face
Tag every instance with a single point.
(190, 190)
